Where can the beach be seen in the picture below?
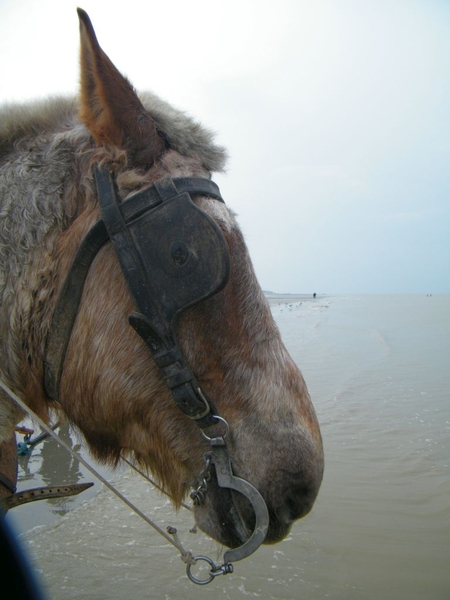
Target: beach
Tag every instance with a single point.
(377, 371)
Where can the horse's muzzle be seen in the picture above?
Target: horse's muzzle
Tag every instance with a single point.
(228, 516)
(239, 499)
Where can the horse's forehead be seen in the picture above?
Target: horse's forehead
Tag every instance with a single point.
(176, 164)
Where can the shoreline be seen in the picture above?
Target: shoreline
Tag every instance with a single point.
(275, 298)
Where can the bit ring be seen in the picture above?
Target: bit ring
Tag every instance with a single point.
(227, 429)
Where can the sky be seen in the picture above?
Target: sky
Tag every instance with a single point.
(335, 114)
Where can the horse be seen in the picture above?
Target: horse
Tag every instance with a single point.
(111, 383)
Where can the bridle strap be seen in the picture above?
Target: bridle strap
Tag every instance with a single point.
(151, 322)
(131, 227)
(67, 308)
(154, 195)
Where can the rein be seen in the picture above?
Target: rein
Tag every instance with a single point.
(173, 255)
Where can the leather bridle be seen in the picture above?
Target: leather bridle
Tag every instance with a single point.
(173, 255)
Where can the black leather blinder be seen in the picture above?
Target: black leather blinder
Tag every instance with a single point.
(173, 255)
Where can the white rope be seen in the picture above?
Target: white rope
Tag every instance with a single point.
(150, 480)
(171, 537)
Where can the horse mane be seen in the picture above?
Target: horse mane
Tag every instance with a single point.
(180, 131)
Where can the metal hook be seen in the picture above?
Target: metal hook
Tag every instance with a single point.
(226, 479)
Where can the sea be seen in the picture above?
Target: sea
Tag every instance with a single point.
(378, 371)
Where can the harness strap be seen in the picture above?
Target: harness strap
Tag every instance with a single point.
(43, 493)
(67, 308)
(159, 191)
(155, 320)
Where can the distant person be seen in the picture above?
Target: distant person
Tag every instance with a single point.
(314, 295)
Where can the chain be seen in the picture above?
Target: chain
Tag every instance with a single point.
(198, 495)
(150, 480)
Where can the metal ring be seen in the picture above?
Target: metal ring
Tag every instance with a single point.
(201, 581)
(227, 428)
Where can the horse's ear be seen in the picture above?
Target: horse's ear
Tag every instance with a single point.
(109, 105)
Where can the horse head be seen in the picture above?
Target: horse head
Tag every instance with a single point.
(111, 387)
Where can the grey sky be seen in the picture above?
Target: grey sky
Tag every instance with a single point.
(336, 116)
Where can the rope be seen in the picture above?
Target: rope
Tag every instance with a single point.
(150, 480)
(171, 534)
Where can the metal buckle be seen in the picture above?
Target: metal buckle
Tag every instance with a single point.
(206, 403)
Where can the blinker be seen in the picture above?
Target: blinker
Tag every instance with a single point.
(173, 255)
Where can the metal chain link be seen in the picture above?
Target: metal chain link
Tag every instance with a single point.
(198, 495)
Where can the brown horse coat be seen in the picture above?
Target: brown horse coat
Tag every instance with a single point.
(111, 389)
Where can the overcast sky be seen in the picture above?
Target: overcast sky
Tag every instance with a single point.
(335, 113)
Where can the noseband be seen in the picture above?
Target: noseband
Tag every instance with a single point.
(173, 255)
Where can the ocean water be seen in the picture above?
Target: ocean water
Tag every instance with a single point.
(378, 370)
